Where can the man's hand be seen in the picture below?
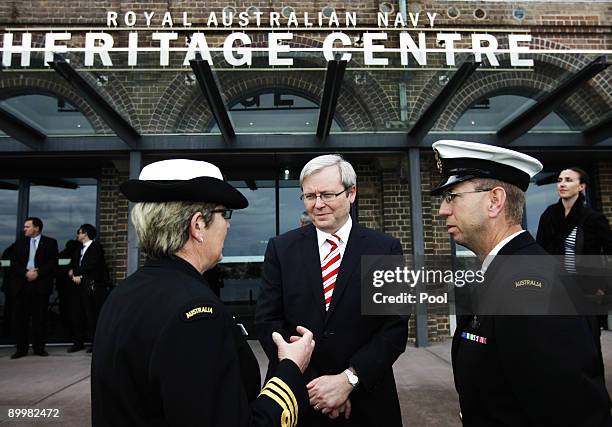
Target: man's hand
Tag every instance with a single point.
(32, 275)
(300, 349)
(329, 392)
(70, 273)
(77, 279)
(343, 409)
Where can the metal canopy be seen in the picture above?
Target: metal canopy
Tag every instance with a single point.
(598, 132)
(333, 83)
(206, 80)
(361, 141)
(549, 102)
(21, 131)
(440, 102)
(113, 119)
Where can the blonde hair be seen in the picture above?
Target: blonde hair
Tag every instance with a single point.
(163, 228)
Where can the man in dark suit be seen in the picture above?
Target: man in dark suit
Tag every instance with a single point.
(34, 261)
(311, 276)
(90, 280)
(520, 358)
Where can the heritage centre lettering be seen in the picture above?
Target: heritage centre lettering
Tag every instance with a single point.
(237, 50)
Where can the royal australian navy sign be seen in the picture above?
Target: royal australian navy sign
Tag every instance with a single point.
(411, 39)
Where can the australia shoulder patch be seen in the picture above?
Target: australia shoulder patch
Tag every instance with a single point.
(197, 311)
(529, 283)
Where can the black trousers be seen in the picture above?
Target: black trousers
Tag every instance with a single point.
(30, 305)
(86, 304)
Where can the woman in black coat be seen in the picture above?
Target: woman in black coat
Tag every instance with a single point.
(572, 230)
(569, 216)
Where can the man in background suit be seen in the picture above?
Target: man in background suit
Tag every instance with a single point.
(89, 278)
(34, 261)
(311, 277)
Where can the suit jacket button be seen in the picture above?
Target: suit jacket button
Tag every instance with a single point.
(327, 334)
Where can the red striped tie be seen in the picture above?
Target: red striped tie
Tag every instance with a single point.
(329, 269)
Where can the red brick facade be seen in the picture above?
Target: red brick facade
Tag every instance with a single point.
(162, 102)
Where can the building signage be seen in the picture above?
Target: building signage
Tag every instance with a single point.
(413, 39)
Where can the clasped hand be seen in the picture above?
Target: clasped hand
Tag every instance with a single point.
(330, 395)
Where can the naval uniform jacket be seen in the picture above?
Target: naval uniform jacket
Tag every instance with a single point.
(292, 294)
(167, 353)
(527, 370)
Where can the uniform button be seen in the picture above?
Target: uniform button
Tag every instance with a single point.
(327, 334)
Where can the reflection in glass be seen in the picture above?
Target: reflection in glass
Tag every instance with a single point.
(492, 113)
(274, 111)
(251, 228)
(537, 199)
(48, 114)
(8, 215)
(63, 210)
(290, 205)
(8, 221)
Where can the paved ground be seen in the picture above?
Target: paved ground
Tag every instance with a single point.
(61, 381)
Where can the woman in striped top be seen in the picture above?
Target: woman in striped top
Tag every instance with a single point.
(570, 229)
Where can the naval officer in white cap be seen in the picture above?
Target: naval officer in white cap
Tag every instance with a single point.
(522, 369)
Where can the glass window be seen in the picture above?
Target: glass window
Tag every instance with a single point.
(63, 206)
(537, 199)
(290, 206)
(492, 113)
(251, 228)
(9, 192)
(48, 114)
(275, 111)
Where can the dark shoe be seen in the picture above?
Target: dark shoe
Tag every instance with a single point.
(41, 353)
(89, 349)
(19, 354)
(75, 348)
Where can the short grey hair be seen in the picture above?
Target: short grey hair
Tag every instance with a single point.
(163, 228)
(515, 198)
(347, 173)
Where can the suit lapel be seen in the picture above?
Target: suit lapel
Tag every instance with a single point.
(312, 266)
(355, 247)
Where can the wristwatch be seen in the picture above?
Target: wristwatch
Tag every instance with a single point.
(353, 379)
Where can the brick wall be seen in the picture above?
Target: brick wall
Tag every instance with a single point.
(113, 222)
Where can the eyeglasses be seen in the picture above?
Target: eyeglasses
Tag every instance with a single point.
(326, 197)
(225, 213)
(449, 196)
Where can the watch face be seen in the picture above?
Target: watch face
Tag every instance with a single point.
(352, 378)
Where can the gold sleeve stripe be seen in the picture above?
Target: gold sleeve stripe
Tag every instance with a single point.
(286, 420)
(280, 383)
(271, 386)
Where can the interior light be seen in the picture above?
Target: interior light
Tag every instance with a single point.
(251, 123)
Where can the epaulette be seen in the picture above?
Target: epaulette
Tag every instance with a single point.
(277, 390)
